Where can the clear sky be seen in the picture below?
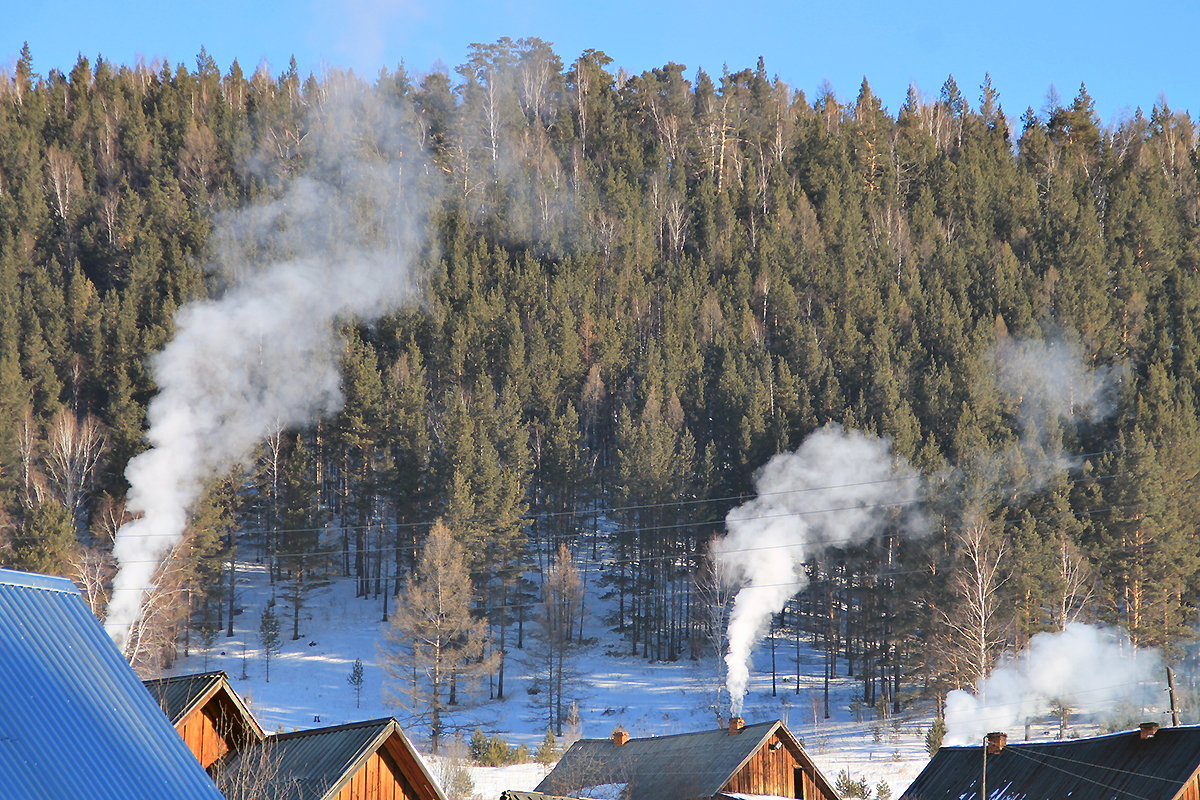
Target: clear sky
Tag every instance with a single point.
(1128, 53)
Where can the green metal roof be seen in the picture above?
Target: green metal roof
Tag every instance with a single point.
(678, 767)
(178, 695)
(75, 721)
(1120, 766)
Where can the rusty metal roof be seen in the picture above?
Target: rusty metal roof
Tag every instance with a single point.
(315, 764)
(677, 767)
(1120, 766)
(75, 721)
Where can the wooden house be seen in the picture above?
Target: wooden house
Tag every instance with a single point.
(370, 760)
(762, 759)
(207, 712)
(75, 721)
(1151, 763)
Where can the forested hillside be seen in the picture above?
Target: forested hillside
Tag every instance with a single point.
(634, 290)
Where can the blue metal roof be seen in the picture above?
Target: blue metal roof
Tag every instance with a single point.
(75, 721)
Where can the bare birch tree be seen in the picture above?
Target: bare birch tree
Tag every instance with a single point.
(71, 456)
(977, 583)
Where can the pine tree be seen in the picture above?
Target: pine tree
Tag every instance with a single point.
(269, 638)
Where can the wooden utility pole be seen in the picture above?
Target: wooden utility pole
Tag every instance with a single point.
(983, 776)
(1171, 689)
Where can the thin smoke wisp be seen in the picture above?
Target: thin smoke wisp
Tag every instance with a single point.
(1051, 385)
(840, 488)
(1086, 669)
(337, 244)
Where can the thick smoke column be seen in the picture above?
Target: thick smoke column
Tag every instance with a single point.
(836, 490)
(335, 246)
(1087, 669)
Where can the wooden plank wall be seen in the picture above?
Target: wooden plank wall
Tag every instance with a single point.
(772, 772)
(199, 732)
(378, 780)
(1190, 790)
(767, 772)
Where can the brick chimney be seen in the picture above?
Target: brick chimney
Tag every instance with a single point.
(996, 742)
(1147, 730)
(620, 736)
(736, 724)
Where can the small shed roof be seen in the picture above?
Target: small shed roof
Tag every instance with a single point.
(315, 764)
(677, 767)
(67, 691)
(180, 695)
(1120, 765)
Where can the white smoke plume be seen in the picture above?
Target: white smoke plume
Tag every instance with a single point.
(1051, 382)
(1051, 379)
(838, 489)
(336, 245)
(1089, 670)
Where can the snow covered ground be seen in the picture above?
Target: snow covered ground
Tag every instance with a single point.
(309, 687)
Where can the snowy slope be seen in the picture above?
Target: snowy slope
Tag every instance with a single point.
(308, 688)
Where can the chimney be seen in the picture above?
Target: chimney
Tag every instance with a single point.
(996, 742)
(620, 736)
(1147, 730)
(736, 724)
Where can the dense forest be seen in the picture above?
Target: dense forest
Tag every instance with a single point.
(634, 290)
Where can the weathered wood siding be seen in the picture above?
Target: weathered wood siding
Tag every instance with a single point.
(379, 779)
(774, 772)
(200, 732)
(1190, 790)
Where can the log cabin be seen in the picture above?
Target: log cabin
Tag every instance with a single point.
(365, 760)
(207, 712)
(742, 760)
(1150, 763)
(75, 720)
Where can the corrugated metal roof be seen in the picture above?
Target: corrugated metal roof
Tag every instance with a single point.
(1120, 766)
(314, 764)
(678, 767)
(178, 695)
(75, 721)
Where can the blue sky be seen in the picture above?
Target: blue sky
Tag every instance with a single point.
(1127, 53)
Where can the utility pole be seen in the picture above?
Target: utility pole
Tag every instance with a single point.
(983, 777)
(1171, 689)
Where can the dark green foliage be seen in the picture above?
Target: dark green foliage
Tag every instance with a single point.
(547, 751)
(268, 637)
(848, 786)
(631, 297)
(356, 681)
(934, 736)
(494, 751)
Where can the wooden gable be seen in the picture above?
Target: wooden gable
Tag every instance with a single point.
(370, 760)
(215, 728)
(760, 759)
(381, 776)
(207, 713)
(780, 768)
